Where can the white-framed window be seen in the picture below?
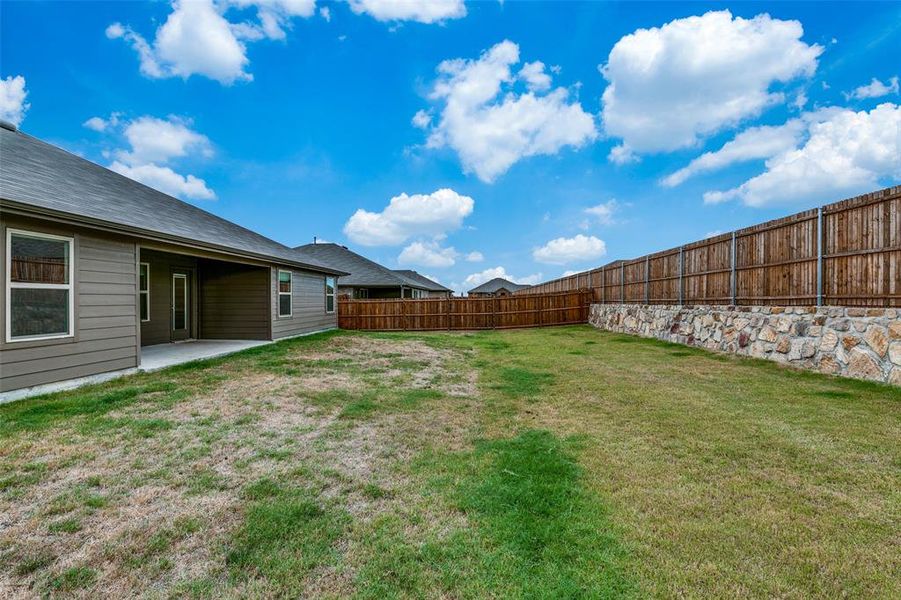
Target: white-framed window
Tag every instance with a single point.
(144, 292)
(39, 275)
(285, 286)
(329, 294)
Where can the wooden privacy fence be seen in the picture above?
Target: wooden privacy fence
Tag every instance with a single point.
(845, 254)
(434, 314)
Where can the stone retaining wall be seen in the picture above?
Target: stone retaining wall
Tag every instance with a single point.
(864, 343)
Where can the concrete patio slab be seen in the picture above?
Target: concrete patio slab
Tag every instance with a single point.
(161, 356)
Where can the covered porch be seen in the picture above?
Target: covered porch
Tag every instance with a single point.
(196, 304)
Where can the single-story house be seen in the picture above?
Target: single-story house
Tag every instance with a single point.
(370, 280)
(433, 289)
(496, 287)
(97, 266)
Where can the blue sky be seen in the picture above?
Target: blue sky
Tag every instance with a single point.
(525, 139)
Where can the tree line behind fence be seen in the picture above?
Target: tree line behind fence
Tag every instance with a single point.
(436, 314)
(842, 254)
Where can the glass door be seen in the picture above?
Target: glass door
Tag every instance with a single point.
(181, 307)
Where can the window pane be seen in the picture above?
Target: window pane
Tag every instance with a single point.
(38, 260)
(329, 303)
(329, 285)
(284, 281)
(38, 312)
(284, 305)
(144, 283)
(180, 312)
(145, 307)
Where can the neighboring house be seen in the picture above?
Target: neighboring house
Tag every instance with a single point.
(433, 289)
(96, 265)
(495, 287)
(368, 279)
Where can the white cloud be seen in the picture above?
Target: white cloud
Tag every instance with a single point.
(422, 11)
(152, 144)
(567, 273)
(100, 125)
(491, 126)
(421, 119)
(12, 99)
(427, 254)
(474, 257)
(875, 89)
(670, 86)
(481, 277)
(274, 16)
(562, 250)
(407, 216)
(622, 155)
(198, 39)
(604, 212)
(843, 153)
(754, 143)
(326, 14)
(160, 140)
(166, 180)
(533, 74)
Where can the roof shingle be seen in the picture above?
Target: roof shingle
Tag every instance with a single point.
(38, 175)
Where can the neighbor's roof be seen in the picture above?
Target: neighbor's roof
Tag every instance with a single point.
(363, 272)
(432, 286)
(493, 285)
(40, 178)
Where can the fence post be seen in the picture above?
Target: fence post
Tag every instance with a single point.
(603, 285)
(494, 313)
(681, 266)
(622, 283)
(820, 256)
(450, 303)
(647, 279)
(732, 280)
(403, 311)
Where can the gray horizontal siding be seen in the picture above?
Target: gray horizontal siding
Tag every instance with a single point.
(105, 322)
(308, 304)
(104, 366)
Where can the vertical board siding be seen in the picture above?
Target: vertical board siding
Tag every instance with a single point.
(308, 305)
(472, 313)
(234, 301)
(775, 263)
(105, 315)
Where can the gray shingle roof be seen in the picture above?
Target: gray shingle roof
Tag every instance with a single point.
(493, 285)
(39, 176)
(432, 286)
(363, 272)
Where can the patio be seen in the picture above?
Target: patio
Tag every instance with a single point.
(160, 356)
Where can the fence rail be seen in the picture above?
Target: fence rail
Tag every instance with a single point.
(437, 314)
(847, 254)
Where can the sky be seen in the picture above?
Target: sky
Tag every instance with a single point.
(468, 140)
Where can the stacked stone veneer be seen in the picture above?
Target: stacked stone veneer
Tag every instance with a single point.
(863, 343)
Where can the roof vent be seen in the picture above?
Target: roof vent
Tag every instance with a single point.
(7, 125)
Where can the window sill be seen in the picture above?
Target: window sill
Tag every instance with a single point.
(38, 342)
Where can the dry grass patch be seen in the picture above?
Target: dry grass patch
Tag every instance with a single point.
(144, 494)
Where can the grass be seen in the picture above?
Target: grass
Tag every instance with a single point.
(581, 465)
(287, 533)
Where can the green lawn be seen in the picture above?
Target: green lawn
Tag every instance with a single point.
(546, 463)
